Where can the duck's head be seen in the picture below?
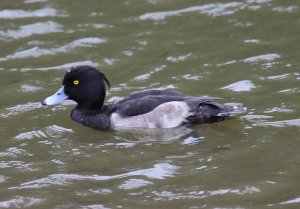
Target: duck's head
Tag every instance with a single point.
(84, 85)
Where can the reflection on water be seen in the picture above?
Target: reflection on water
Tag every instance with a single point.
(61, 67)
(157, 135)
(243, 51)
(51, 131)
(21, 108)
(159, 171)
(218, 9)
(20, 14)
(36, 52)
(296, 200)
(284, 123)
(32, 29)
(244, 85)
(264, 57)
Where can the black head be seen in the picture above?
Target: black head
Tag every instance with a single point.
(83, 84)
(86, 86)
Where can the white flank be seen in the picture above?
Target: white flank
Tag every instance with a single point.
(167, 115)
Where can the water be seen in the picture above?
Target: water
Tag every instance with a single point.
(245, 51)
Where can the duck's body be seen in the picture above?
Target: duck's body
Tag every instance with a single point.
(145, 109)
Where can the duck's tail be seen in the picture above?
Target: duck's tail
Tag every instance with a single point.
(209, 112)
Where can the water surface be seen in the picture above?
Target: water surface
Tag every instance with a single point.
(245, 51)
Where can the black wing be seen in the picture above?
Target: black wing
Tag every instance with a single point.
(145, 101)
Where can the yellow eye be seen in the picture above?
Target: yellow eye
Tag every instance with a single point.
(76, 82)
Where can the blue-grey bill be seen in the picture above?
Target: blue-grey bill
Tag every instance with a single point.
(56, 98)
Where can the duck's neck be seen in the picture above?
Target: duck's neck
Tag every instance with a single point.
(90, 108)
(97, 119)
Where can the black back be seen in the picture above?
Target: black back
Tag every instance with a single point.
(145, 101)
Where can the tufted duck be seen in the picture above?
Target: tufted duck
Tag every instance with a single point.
(145, 109)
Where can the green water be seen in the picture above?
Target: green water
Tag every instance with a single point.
(243, 51)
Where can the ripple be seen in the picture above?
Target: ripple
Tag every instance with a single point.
(296, 200)
(146, 76)
(280, 124)
(226, 63)
(96, 206)
(165, 87)
(88, 41)
(253, 41)
(283, 108)
(15, 152)
(128, 53)
(179, 58)
(168, 195)
(289, 91)
(32, 29)
(125, 145)
(57, 131)
(96, 25)
(289, 9)
(134, 184)
(19, 14)
(158, 171)
(263, 57)
(31, 135)
(3, 179)
(33, 1)
(38, 52)
(21, 166)
(110, 61)
(20, 202)
(192, 77)
(125, 86)
(276, 77)
(20, 109)
(258, 1)
(256, 118)
(214, 9)
(246, 190)
(143, 77)
(50, 131)
(217, 9)
(29, 88)
(192, 140)
(60, 67)
(245, 85)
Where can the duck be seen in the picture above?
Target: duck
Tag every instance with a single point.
(151, 108)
